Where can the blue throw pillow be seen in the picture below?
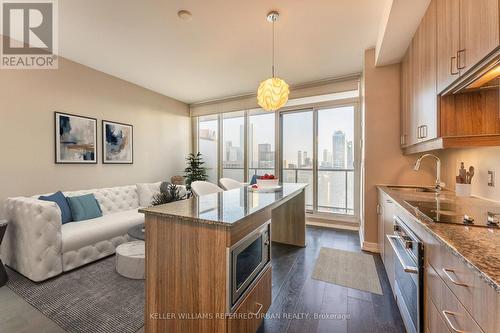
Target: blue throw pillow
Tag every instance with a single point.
(61, 201)
(84, 207)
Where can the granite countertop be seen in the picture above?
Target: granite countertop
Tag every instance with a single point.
(478, 247)
(224, 208)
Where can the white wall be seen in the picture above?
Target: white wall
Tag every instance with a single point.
(483, 159)
(28, 99)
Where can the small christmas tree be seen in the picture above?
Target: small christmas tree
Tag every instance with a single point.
(195, 169)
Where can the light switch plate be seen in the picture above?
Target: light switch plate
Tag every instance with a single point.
(491, 178)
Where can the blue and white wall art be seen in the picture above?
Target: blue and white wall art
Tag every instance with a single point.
(118, 143)
(76, 139)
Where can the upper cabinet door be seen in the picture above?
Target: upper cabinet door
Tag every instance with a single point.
(479, 30)
(406, 99)
(425, 71)
(448, 28)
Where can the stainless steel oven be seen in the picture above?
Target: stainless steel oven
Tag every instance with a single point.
(248, 258)
(409, 275)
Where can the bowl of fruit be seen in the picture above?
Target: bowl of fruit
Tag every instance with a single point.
(267, 181)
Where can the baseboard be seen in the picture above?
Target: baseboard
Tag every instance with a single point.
(332, 224)
(370, 247)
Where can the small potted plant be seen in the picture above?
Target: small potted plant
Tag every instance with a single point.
(195, 171)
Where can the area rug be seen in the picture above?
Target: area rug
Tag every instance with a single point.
(93, 298)
(349, 269)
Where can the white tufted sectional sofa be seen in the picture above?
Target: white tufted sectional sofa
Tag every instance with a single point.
(38, 246)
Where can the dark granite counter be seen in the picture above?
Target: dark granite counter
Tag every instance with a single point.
(478, 247)
(225, 208)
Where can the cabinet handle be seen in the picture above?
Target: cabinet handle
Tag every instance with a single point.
(424, 130)
(455, 282)
(258, 311)
(419, 133)
(459, 59)
(445, 314)
(452, 67)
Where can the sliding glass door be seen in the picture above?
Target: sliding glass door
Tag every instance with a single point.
(318, 148)
(335, 190)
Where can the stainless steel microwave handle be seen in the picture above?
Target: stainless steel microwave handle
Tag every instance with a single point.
(406, 268)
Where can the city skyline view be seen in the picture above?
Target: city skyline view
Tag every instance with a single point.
(335, 185)
(335, 147)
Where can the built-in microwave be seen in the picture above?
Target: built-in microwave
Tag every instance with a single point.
(248, 258)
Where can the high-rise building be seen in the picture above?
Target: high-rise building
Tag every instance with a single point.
(299, 159)
(338, 149)
(266, 155)
(350, 155)
(327, 159)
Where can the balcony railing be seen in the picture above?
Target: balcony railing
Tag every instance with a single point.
(335, 186)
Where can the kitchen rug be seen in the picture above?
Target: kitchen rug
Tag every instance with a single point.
(349, 269)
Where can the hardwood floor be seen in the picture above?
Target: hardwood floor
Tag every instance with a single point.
(297, 297)
(295, 293)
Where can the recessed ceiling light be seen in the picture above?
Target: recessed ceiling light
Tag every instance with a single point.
(185, 15)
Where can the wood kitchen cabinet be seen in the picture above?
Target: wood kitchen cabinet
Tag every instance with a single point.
(453, 37)
(406, 102)
(467, 31)
(448, 26)
(418, 79)
(479, 31)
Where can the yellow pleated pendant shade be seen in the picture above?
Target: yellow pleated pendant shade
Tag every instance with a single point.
(272, 94)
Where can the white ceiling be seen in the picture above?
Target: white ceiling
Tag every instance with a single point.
(225, 50)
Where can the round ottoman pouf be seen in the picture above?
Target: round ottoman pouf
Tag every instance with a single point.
(130, 259)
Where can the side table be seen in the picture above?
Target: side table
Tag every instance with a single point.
(3, 274)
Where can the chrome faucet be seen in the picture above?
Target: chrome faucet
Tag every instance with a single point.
(438, 185)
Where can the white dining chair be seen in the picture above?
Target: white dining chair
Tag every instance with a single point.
(201, 188)
(229, 184)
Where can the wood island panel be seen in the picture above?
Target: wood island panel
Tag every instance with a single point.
(288, 224)
(185, 274)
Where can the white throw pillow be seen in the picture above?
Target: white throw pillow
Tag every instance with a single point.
(146, 192)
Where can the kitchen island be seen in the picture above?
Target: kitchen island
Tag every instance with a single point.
(191, 257)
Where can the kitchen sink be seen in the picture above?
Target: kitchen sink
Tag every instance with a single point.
(413, 189)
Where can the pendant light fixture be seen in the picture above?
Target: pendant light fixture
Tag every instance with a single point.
(272, 93)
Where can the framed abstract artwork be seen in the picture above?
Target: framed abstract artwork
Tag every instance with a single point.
(76, 139)
(117, 143)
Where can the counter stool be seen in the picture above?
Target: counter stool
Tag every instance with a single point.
(3, 274)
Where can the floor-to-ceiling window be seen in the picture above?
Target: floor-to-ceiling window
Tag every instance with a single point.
(233, 145)
(261, 143)
(208, 129)
(297, 150)
(316, 146)
(336, 162)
